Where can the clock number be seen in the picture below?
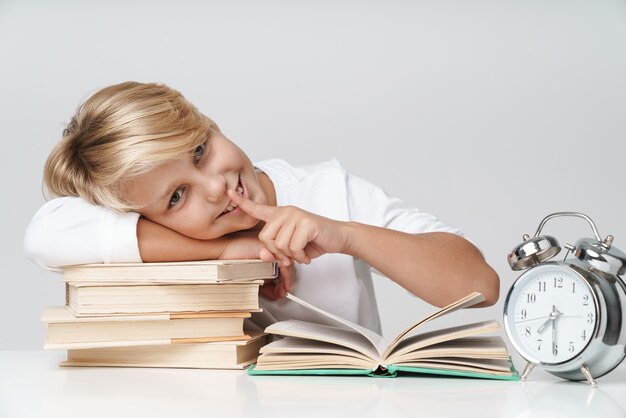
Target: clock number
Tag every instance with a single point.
(539, 344)
(558, 282)
(523, 313)
(571, 347)
(527, 332)
(585, 300)
(589, 318)
(542, 286)
(584, 336)
(574, 287)
(531, 298)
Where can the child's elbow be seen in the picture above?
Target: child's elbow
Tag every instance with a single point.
(489, 286)
(37, 246)
(33, 245)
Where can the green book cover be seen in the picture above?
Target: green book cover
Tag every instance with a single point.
(348, 349)
(392, 371)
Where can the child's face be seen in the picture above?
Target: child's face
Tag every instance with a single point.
(189, 196)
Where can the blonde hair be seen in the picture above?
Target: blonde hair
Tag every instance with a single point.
(122, 131)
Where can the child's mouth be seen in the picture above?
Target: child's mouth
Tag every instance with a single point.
(232, 206)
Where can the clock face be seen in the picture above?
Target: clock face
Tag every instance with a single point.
(550, 314)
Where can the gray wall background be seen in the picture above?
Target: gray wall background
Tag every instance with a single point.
(489, 114)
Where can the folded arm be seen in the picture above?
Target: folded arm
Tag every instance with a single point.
(69, 230)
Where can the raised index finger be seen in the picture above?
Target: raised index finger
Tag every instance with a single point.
(252, 208)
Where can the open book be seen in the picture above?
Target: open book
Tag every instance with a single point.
(350, 349)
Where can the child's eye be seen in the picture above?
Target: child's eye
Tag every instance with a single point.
(198, 153)
(176, 196)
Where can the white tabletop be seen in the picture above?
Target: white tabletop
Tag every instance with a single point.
(32, 385)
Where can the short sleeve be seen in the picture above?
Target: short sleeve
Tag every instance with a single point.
(370, 204)
(70, 230)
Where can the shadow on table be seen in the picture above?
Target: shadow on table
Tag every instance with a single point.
(187, 392)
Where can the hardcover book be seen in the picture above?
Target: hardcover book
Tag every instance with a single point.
(208, 271)
(97, 299)
(65, 331)
(214, 355)
(346, 348)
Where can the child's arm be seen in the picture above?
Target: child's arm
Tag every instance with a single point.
(69, 230)
(438, 267)
(158, 243)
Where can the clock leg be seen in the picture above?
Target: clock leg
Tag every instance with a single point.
(585, 370)
(529, 368)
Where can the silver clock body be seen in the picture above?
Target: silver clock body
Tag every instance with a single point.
(604, 349)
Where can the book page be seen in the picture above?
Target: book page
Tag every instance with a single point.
(438, 336)
(375, 339)
(483, 347)
(495, 367)
(469, 300)
(311, 361)
(289, 345)
(325, 333)
(486, 364)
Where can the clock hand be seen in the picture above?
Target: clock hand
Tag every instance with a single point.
(554, 347)
(555, 315)
(552, 317)
(531, 319)
(543, 326)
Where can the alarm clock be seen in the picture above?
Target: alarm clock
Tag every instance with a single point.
(568, 316)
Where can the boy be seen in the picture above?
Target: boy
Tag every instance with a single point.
(148, 177)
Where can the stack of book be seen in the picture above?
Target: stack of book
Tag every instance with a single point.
(178, 314)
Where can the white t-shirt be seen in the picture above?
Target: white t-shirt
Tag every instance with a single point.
(69, 230)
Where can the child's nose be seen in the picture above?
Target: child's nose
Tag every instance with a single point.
(214, 187)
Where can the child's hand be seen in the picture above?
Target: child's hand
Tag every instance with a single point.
(246, 245)
(291, 233)
(278, 288)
